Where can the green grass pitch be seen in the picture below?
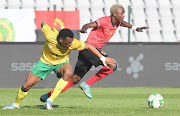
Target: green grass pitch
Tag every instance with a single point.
(105, 102)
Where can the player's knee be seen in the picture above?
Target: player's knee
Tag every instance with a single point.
(68, 73)
(75, 79)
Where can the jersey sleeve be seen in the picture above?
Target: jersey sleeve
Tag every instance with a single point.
(49, 34)
(78, 45)
(45, 29)
(100, 22)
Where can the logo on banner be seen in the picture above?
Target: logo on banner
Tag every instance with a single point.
(7, 33)
(135, 66)
(59, 21)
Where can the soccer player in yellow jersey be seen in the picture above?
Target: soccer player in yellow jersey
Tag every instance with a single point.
(54, 57)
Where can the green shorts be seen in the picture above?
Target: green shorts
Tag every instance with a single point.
(42, 70)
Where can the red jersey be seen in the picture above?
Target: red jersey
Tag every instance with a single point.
(100, 35)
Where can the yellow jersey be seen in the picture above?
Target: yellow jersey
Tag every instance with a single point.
(53, 53)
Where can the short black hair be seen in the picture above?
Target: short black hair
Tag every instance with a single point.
(65, 33)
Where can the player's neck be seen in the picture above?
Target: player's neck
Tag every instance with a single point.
(113, 21)
(63, 46)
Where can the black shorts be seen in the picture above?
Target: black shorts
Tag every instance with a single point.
(86, 59)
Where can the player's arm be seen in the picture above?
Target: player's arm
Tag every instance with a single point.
(88, 25)
(104, 60)
(138, 29)
(48, 33)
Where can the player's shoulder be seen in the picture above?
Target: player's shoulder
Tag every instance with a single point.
(105, 18)
(75, 41)
(49, 30)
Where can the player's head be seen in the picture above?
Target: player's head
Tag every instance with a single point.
(117, 11)
(65, 37)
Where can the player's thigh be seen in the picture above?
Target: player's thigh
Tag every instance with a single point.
(42, 70)
(77, 77)
(58, 69)
(31, 80)
(81, 68)
(65, 70)
(90, 57)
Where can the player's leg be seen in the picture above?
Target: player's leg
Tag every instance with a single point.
(44, 97)
(81, 68)
(103, 72)
(78, 75)
(23, 91)
(57, 70)
(38, 72)
(89, 59)
(65, 71)
(76, 78)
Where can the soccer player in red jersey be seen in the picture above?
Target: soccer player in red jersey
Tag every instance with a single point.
(103, 29)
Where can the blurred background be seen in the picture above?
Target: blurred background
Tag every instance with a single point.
(150, 58)
(162, 16)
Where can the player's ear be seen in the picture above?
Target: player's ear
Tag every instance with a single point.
(61, 40)
(113, 14)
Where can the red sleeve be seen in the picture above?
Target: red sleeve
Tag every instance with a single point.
(100, 22)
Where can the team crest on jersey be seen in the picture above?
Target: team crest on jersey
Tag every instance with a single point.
(49, 46)
(7, 33)
(107, 29)
(102, 52)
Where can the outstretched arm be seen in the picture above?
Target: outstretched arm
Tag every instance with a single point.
(88, 25)
(125, 24)
(138, 29)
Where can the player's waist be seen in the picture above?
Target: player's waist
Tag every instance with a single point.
(50, 60)
(96, 44)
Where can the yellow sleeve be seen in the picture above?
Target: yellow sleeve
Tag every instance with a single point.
(49, 34)
(78, 45)
(45, 29)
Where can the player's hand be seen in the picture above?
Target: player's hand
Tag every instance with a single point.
(82, 31)
(110, 61)
(140, 29)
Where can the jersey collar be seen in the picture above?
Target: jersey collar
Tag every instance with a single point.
(111, 21)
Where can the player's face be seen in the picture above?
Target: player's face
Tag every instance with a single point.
(66, 42)
(119, 15)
